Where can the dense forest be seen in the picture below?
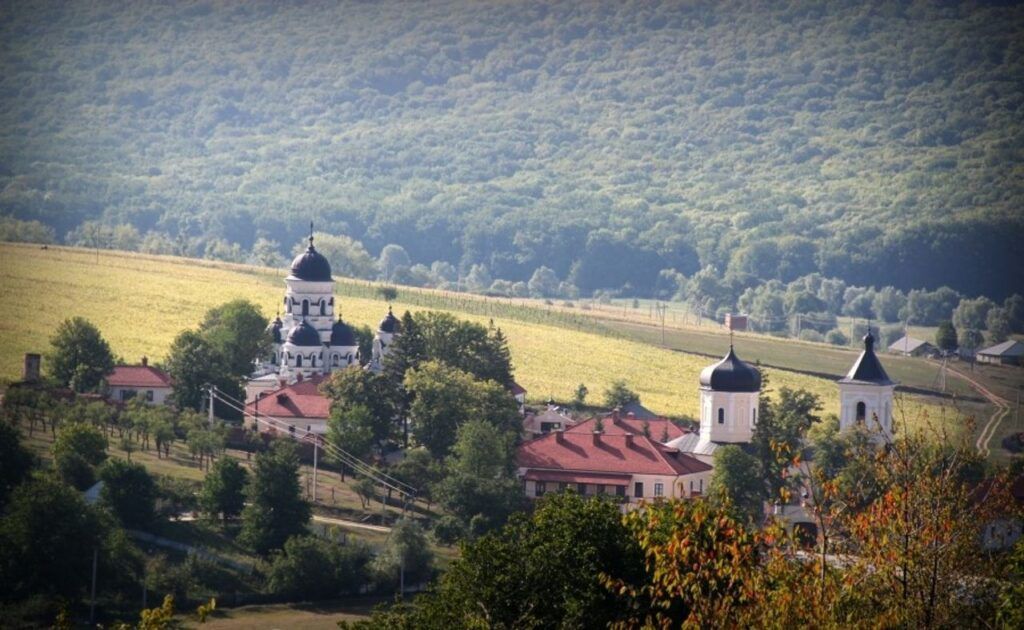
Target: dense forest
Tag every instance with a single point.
(878, 143)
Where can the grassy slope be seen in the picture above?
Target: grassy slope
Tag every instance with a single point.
(140, 303)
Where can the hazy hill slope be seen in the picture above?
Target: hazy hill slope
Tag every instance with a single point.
(879, 142)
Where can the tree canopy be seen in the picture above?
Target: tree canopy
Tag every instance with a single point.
(80, 357)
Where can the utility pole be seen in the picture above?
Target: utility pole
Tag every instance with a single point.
(209, 412)
(92, 597)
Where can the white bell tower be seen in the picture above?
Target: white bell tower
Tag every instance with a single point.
(866, 395)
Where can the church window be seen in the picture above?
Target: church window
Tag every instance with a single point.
(305, 307)
(312, 361)
(721, 416)
(336, 361)
(323, 307)
(753, 416)
(273, 359)
(298, 361)
(331, 302)
(862, 412)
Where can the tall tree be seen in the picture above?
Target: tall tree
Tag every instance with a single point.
(193, 363)
(223, 493)
(738, 484)
(276, 509)
(129, 492)
(369, 392)
(619, 394)
(47, 538)
(15, 461)
(945, 336)
(444, 398)
(80, 357)
(236, 331)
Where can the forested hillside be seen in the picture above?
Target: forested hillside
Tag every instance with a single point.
(880, 143)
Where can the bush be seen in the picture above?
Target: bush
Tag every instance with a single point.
(448, 530)
(811, 335)
(309, 568)
(836, 337)
(75, 471)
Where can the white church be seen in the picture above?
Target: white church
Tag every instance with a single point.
(308, 340)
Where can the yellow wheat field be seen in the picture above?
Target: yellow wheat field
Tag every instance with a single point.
(141, 302)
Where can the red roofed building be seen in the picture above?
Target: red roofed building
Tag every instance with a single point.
(150, 383)
(624, 464)
(659, 429)
(299, 405)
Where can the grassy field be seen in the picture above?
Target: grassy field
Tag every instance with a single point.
(141, 302)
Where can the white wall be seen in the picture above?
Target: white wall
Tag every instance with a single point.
(740, 409)
(160, 394)
(877, 399)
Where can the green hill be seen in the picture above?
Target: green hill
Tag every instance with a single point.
(876, 142)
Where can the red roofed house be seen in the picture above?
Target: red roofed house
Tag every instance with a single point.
(128, 381)
(624, 464)
(299, 405)
(659, 429)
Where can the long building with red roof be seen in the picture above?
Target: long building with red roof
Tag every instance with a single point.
(618, 463)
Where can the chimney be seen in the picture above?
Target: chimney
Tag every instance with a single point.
(597, 437)
(30, 371)
(615, 415)
(631, 415)
(145, 361)
(629, 440)
(559, 436)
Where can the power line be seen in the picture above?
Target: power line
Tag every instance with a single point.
(343, 456)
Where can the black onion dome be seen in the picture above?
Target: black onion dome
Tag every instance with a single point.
(342, 335)
(868, 369)
(304, 335)
(311, 265)
(731, 375)
(390, 323)
(274, 329)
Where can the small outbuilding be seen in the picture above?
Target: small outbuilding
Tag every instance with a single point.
(911, 347)
(1006, 353)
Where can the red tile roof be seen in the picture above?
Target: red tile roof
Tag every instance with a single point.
(138, 376)
(300, 400)
(627, 424)
(577, 452)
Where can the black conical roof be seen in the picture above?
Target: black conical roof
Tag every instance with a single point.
(311, 265)
(342, 335)
(868, 369)
(275, 329)
(390, 323)
(304, 335)
(731, 375)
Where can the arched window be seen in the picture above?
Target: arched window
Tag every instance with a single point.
(753, 416)
(323, 307)
(298, 361)
(862, 412)
(336, 361)
(721, 416)
(312, 361)
(273, 359)
(305, 307)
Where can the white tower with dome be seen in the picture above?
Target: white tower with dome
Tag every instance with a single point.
(307, 339)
